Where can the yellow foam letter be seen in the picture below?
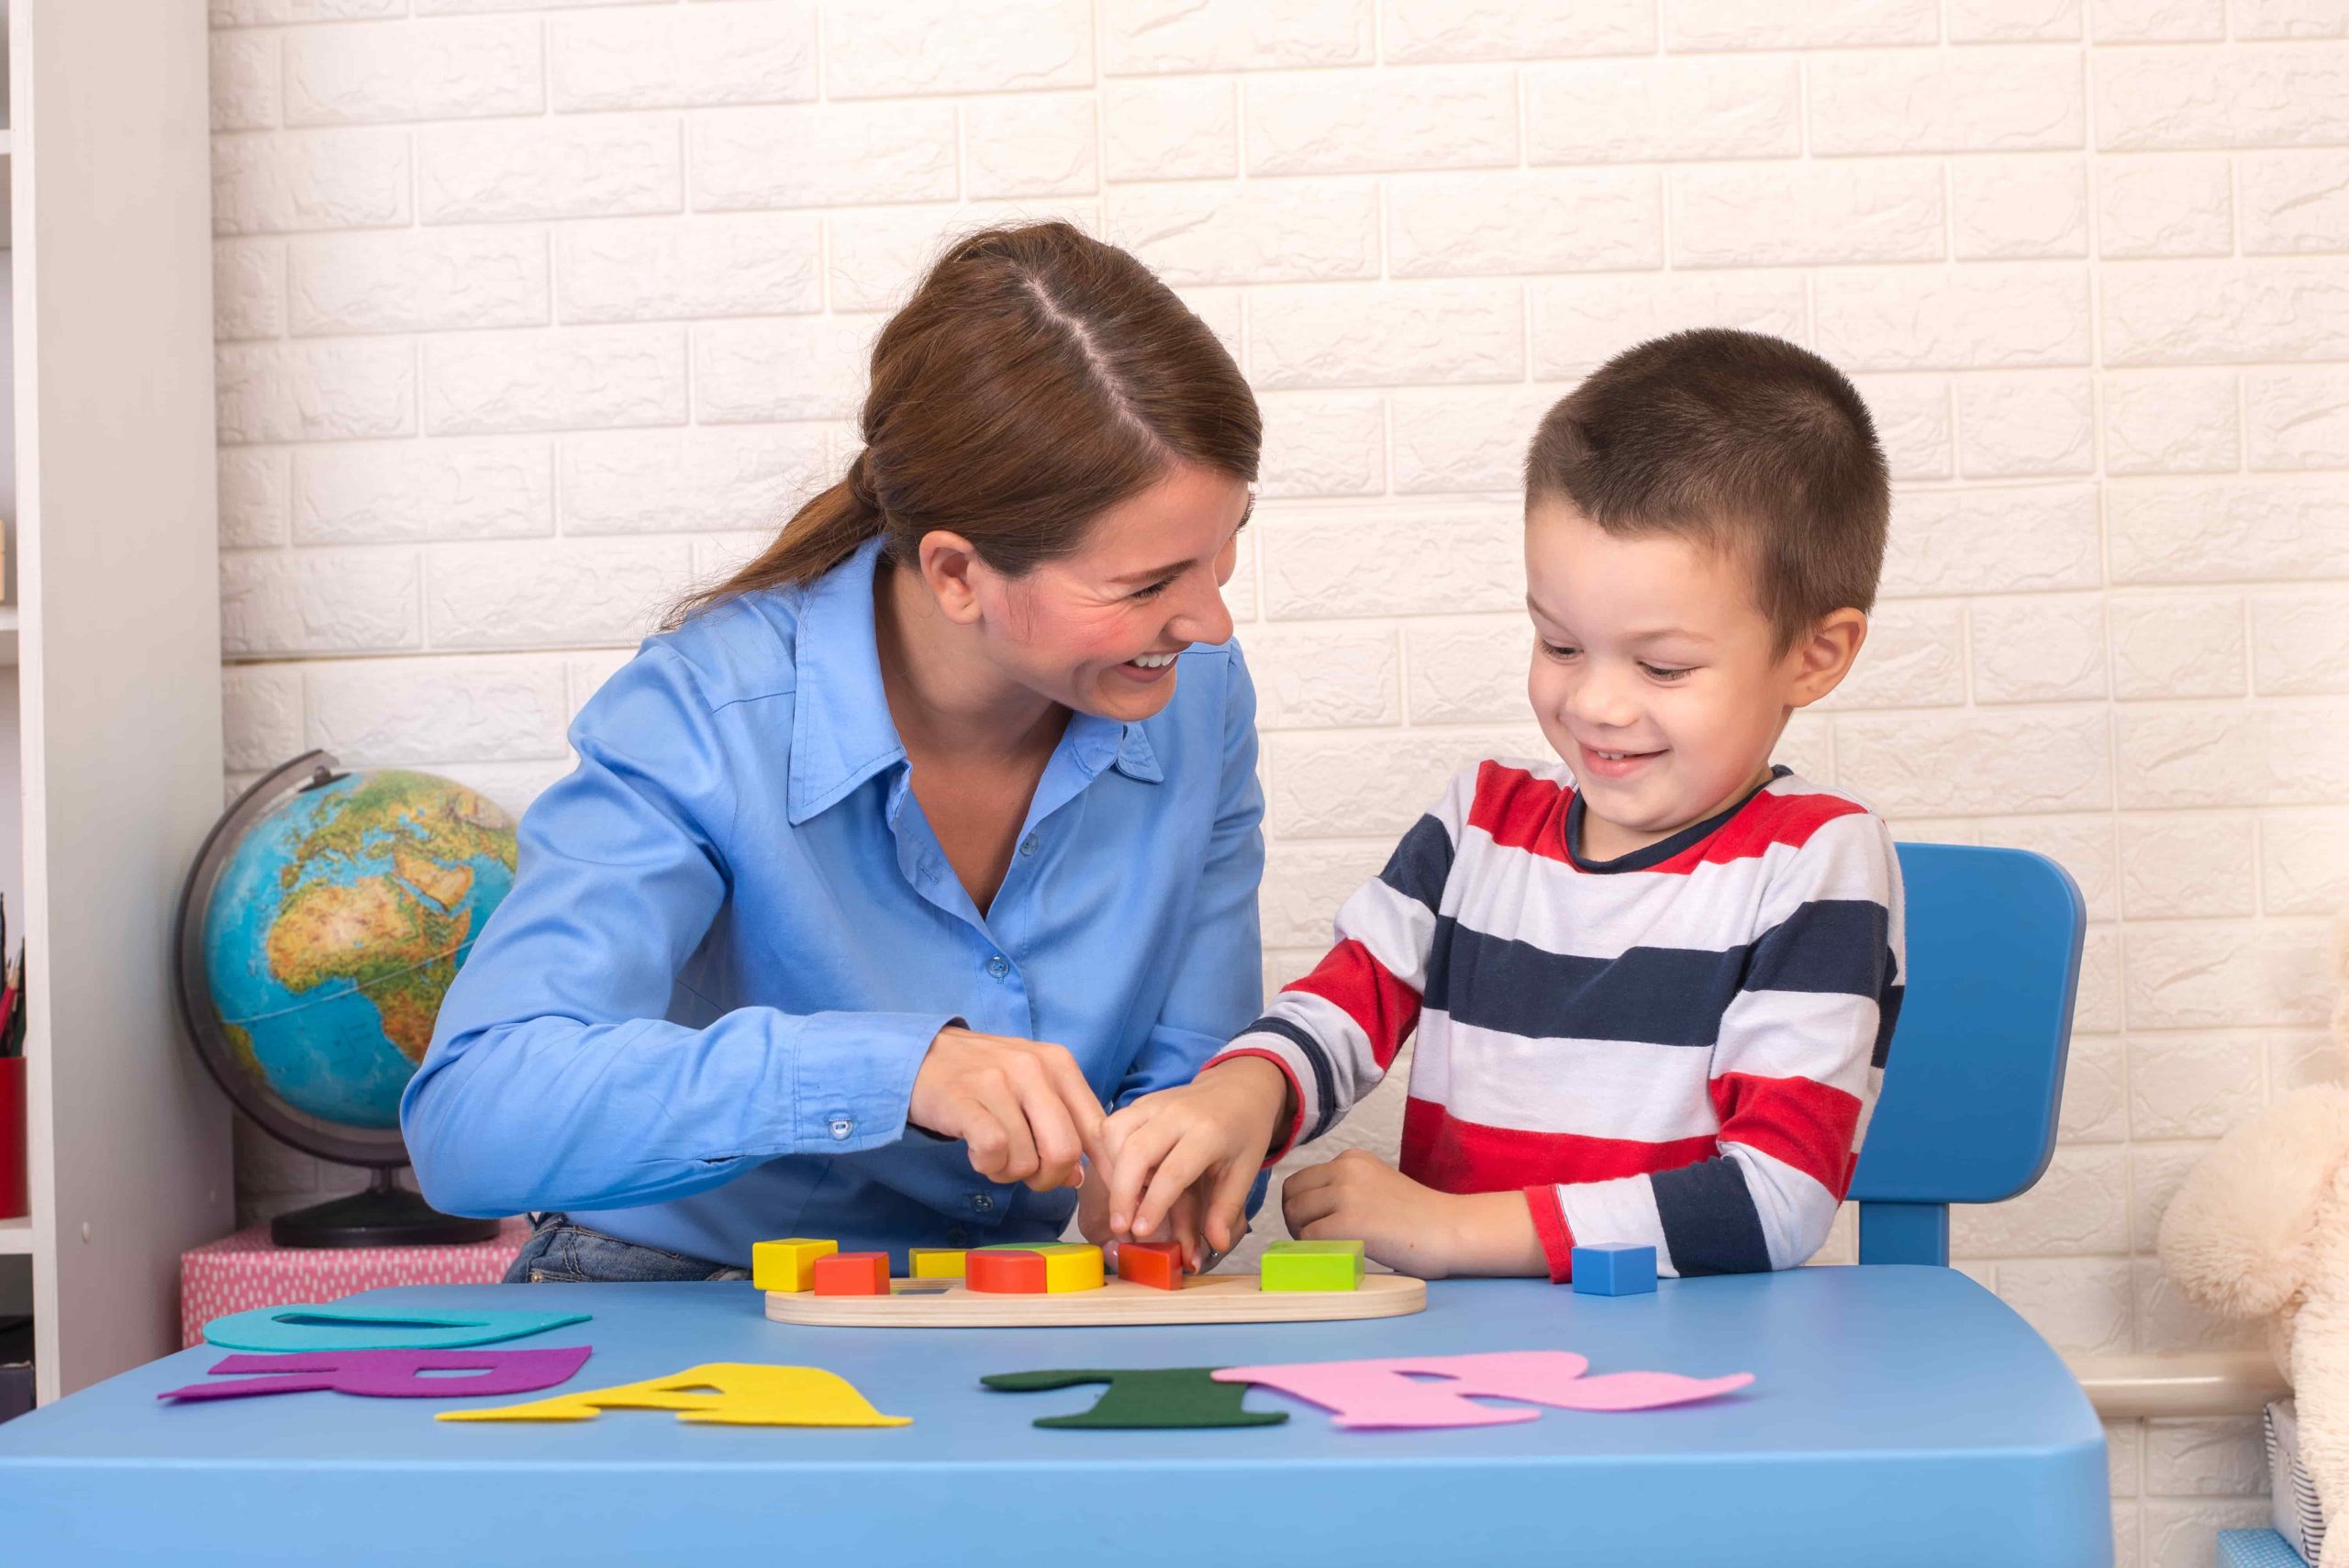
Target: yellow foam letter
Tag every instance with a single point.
(731, 1394)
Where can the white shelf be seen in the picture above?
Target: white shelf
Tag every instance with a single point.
(16, 1236)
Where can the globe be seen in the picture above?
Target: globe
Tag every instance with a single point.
(323, 922)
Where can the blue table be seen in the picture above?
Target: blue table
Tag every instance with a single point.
(1901, 1416)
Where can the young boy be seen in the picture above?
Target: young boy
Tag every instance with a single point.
(1653, 986)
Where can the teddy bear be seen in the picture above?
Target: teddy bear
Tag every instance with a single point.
(2260, 1231)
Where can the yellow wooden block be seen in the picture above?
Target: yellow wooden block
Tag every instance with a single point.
(1071, 1265)
(937, 1263)
(787, 1265)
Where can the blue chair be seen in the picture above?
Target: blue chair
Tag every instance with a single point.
(1975, 1072)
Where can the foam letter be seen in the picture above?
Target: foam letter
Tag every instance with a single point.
(1385, 1394)
(731, 1394)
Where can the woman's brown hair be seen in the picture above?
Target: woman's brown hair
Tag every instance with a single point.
(1036, 377)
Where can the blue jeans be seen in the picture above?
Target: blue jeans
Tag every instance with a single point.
(559, 1252)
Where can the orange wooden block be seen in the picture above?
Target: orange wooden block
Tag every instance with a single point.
(852, 1273)
(1158, 1263)
(994, 1272)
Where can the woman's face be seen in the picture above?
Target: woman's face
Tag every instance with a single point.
(1097, 630)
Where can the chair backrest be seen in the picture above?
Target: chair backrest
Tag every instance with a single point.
(1975, 1071)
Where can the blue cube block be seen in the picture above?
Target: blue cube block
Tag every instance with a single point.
(1614, 1271)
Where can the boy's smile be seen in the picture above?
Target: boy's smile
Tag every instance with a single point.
(1655, 675)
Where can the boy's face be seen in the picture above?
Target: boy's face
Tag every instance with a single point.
(1655, 675)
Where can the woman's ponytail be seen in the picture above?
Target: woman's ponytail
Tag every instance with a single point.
(825, 531)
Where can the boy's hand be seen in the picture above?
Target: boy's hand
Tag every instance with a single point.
(1093, 1222)
(1411, 1228)
(1207, 1138)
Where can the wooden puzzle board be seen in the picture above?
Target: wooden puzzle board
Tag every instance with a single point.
(1204, 1299)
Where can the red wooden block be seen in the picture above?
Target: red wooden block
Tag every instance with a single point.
(1003, 1274)
(852, 1274)
(1157, 1263)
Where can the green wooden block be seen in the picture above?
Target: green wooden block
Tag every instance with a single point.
(1312, 1265)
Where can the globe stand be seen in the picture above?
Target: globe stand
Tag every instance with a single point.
(385, 1215)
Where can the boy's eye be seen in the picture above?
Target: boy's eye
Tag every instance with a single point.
(1660, 673)
(1559, 649)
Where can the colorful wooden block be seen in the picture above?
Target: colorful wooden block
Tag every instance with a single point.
(786, 1265)
(1311, 1265)
(1158, 1263)
(936, 1262)
(1618, 1269)
(1068, 1265)
(852, 1273)
(1004, 1271)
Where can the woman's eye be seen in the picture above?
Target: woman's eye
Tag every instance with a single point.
(1661, 674)
(1155, 589)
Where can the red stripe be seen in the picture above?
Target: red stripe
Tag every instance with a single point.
(1768, 818)
(1287, 1140)
(1557, 1236)
(1383, 1006)
(1520, 811)
(1806, 1124)
(1454, 1156)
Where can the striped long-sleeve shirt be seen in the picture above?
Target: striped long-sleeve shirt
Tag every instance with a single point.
(1678, 1048)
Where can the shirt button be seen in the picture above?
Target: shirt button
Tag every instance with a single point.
(841, 1128)
(983, 1202)
(998, 966)
(956, 1236)
(1028, 845)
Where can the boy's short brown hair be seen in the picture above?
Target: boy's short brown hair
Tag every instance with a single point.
(1736, 440)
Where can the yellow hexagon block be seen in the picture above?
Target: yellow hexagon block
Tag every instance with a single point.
(787, 1265)
(937, 1263)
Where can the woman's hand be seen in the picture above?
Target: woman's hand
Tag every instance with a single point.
(1207, 1138)
(1021, 1105)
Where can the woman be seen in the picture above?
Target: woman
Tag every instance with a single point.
(931, 830)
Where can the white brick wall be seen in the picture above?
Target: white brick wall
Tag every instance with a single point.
(530, 313)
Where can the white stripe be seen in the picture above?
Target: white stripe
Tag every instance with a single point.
(1795, 1209)
(1396, 928)
(1354, 1072)
(1712, 908)
(1620, 1213)
(1592, 1088)
(1825, 1036)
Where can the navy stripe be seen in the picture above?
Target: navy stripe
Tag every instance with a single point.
(1658, 996)
(1325, 1078)
(1710, 1220)
(1421, 863)
(1661, 995)
(1887, 1013)
(1827, 944)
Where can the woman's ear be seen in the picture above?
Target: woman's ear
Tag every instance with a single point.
(947, 562)
(1823, 656)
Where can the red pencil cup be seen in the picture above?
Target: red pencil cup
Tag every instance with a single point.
(15, 1199)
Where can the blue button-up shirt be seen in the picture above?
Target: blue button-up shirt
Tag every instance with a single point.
(695, 1022)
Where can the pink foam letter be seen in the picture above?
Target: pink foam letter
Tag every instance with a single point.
(1386, 1394)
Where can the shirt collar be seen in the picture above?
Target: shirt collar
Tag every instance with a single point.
(841, 733)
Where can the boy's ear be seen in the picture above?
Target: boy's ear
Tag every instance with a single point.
(947, 562)
(1823, 656)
